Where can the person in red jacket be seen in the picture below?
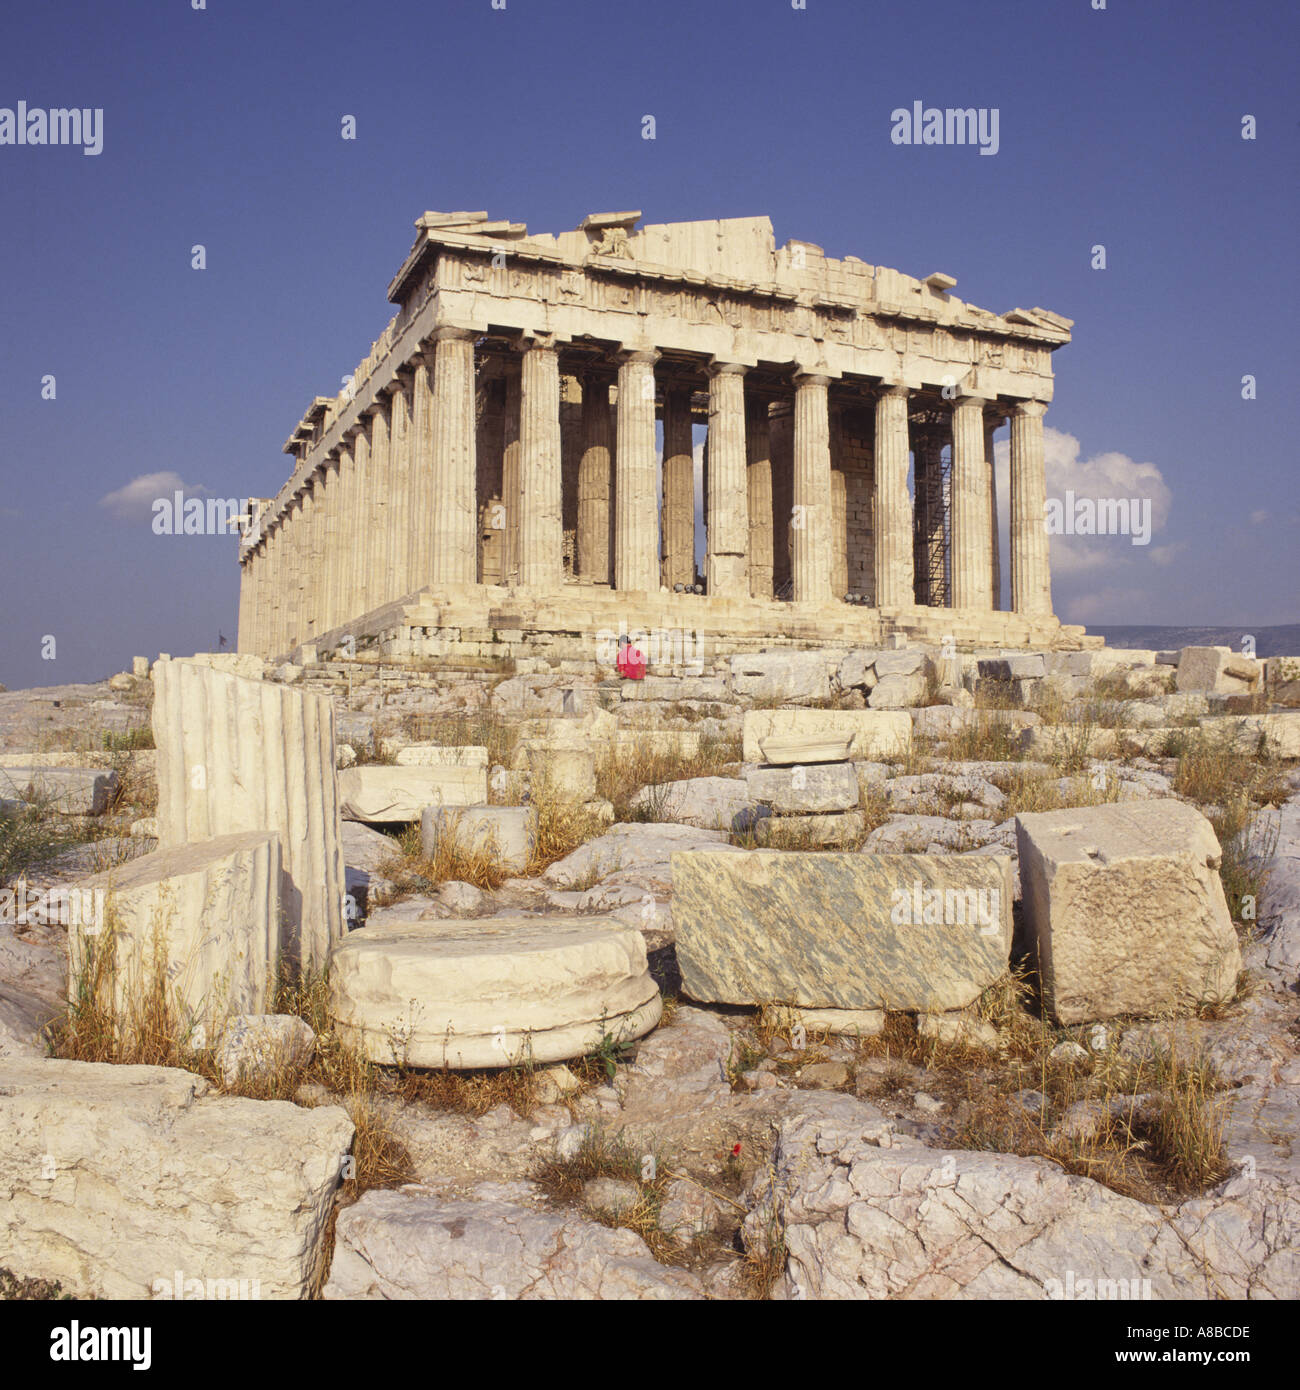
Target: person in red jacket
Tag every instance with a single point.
(631, 661)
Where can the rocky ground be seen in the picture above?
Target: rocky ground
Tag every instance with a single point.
(736, 1152)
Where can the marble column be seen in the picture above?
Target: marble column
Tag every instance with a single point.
(422, 490)
(679, 490)
(400, 516)
(332, 558)
(781, 437)
(359, 551)
(595, 479)
(810, 560)
(758, 481)
(839, 534)
(311, 600)
(453, 513)
(972, 577)
(636, 513)
(541, 525)
(894, 574)
(992, 419)
(727, 501)
(510, 453)
(378, 542)
(293, 571)
(1031, 584)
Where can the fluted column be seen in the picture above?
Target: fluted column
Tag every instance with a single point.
(375, 576)
(810, 560)
(1031, 584)
(362, 536)
(758, 482)
(991, 421)
(332, 558)
(972, 576)
(279, 570)
(541, 526)
(510, 473)
(401, 516)
(727, 502)
(894, 574)
(293, 572)
(453, 519)
(780, 423)
(422, 490)
(310, 625)
(595, 479)
(345, 573)
(636, 539)
(679, 490)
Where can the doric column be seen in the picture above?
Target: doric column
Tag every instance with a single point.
(510, 453)
(893, 507)
(362, 536)
(972, 576)
(727, 503)
(839, 534)
(758, 478)
(811, 504)
(636, 539)
(378, 545)
(332, 552)
(992, 419)
(311, 601)
(279, 587)
(293, 571)
(1031, 584)
(780, 423)
(595, 479)
(400, 511)
(679, 490)
(422, 491)
(541, 526)
(245, 620)
(928, 522)
(453, 520)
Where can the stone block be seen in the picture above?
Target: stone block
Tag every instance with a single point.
(713, 803)
(845, 931)
(245, 664)
(116, 1178)
(1282, 680)
(1126, 909)
(1029, 666)
(898, 692)
(801, 790)
(235, 755)
(842, 829)
(786, 736)
(208, 912)
(1272, 735)
(1217, 670)
(505, 833)
(797, 677)
(439, 755)
(492, 991)
(567, 773)
(69, 791)
(384, 793)
(140, 666)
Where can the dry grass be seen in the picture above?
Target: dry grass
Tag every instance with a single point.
(484, 728)
(1029, 791)
(987, 739)
(620, 774)
(611, 1156)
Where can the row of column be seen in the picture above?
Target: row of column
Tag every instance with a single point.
(394, 507)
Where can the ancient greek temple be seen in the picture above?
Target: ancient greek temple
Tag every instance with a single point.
(514, 462)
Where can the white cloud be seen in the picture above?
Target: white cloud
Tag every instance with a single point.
(1108, 475)
(134, 501)
(1259, 517)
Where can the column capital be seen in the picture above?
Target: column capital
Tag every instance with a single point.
(646, 355)
(448, 332)
(721, 367)
(896, 389)
(1029, 409)
(802, 378)
(539, 342)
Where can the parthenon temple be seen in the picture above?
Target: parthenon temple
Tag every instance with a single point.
(515, 460)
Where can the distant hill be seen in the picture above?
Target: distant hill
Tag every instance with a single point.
(1269, 641)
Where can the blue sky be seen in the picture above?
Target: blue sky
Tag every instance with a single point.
(222, 128)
